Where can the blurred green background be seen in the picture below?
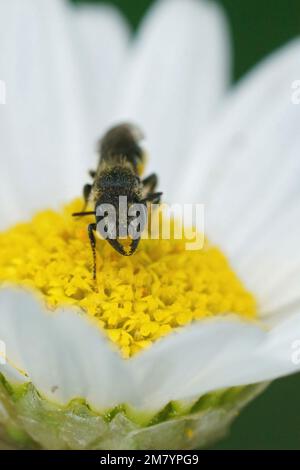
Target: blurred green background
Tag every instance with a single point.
(258, 27)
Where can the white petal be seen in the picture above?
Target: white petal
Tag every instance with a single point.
(63, 354)
(177, 76)
(101, 39)
(47, 126)
(216, 354)
(247, 171)
(66, 357)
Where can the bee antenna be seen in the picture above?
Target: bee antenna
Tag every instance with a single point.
(81, 214)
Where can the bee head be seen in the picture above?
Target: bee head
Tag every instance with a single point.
(120, 215)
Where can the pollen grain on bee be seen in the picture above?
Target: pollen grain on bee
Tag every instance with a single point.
(152, 221)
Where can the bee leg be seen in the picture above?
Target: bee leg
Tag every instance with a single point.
(91, 229)
(120, 249)
(87, 188)
(154, 198)
(134, 245)
(92, 174)
(117, 246)
(150, 183)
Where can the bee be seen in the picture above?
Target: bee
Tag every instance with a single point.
(119, 172)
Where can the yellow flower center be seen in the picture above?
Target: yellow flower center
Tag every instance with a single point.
(136, 300)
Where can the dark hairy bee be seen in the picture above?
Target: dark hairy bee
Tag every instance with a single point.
(118, 175)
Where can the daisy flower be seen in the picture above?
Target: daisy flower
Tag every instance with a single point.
(172, 343)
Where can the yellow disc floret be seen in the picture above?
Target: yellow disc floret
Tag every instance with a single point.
(136, 300)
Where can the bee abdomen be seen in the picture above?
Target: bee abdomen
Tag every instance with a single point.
(121, 144)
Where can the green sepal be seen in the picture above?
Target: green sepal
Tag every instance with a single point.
(29, 420)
